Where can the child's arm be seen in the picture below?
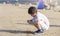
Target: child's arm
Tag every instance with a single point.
(34, 23)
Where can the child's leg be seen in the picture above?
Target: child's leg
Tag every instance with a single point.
(37, 25)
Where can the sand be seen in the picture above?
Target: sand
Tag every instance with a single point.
(13, 21)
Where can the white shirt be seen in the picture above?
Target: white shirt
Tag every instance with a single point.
(42, 19)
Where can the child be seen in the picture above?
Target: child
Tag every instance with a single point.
(39, 20)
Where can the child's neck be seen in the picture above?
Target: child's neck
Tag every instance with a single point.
(34, 15)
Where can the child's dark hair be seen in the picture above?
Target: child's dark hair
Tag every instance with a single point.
(32, 10)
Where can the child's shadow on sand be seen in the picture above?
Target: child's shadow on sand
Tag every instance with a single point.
(17, 31)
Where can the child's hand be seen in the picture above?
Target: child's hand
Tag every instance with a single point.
(29, 21)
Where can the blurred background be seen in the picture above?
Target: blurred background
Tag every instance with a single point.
(27, 1)
(55, 4)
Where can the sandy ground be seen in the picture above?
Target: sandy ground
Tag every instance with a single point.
(13, 22)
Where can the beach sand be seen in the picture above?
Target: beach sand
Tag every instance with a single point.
(13, 21)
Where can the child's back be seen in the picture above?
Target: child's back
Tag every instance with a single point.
(42, 20)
